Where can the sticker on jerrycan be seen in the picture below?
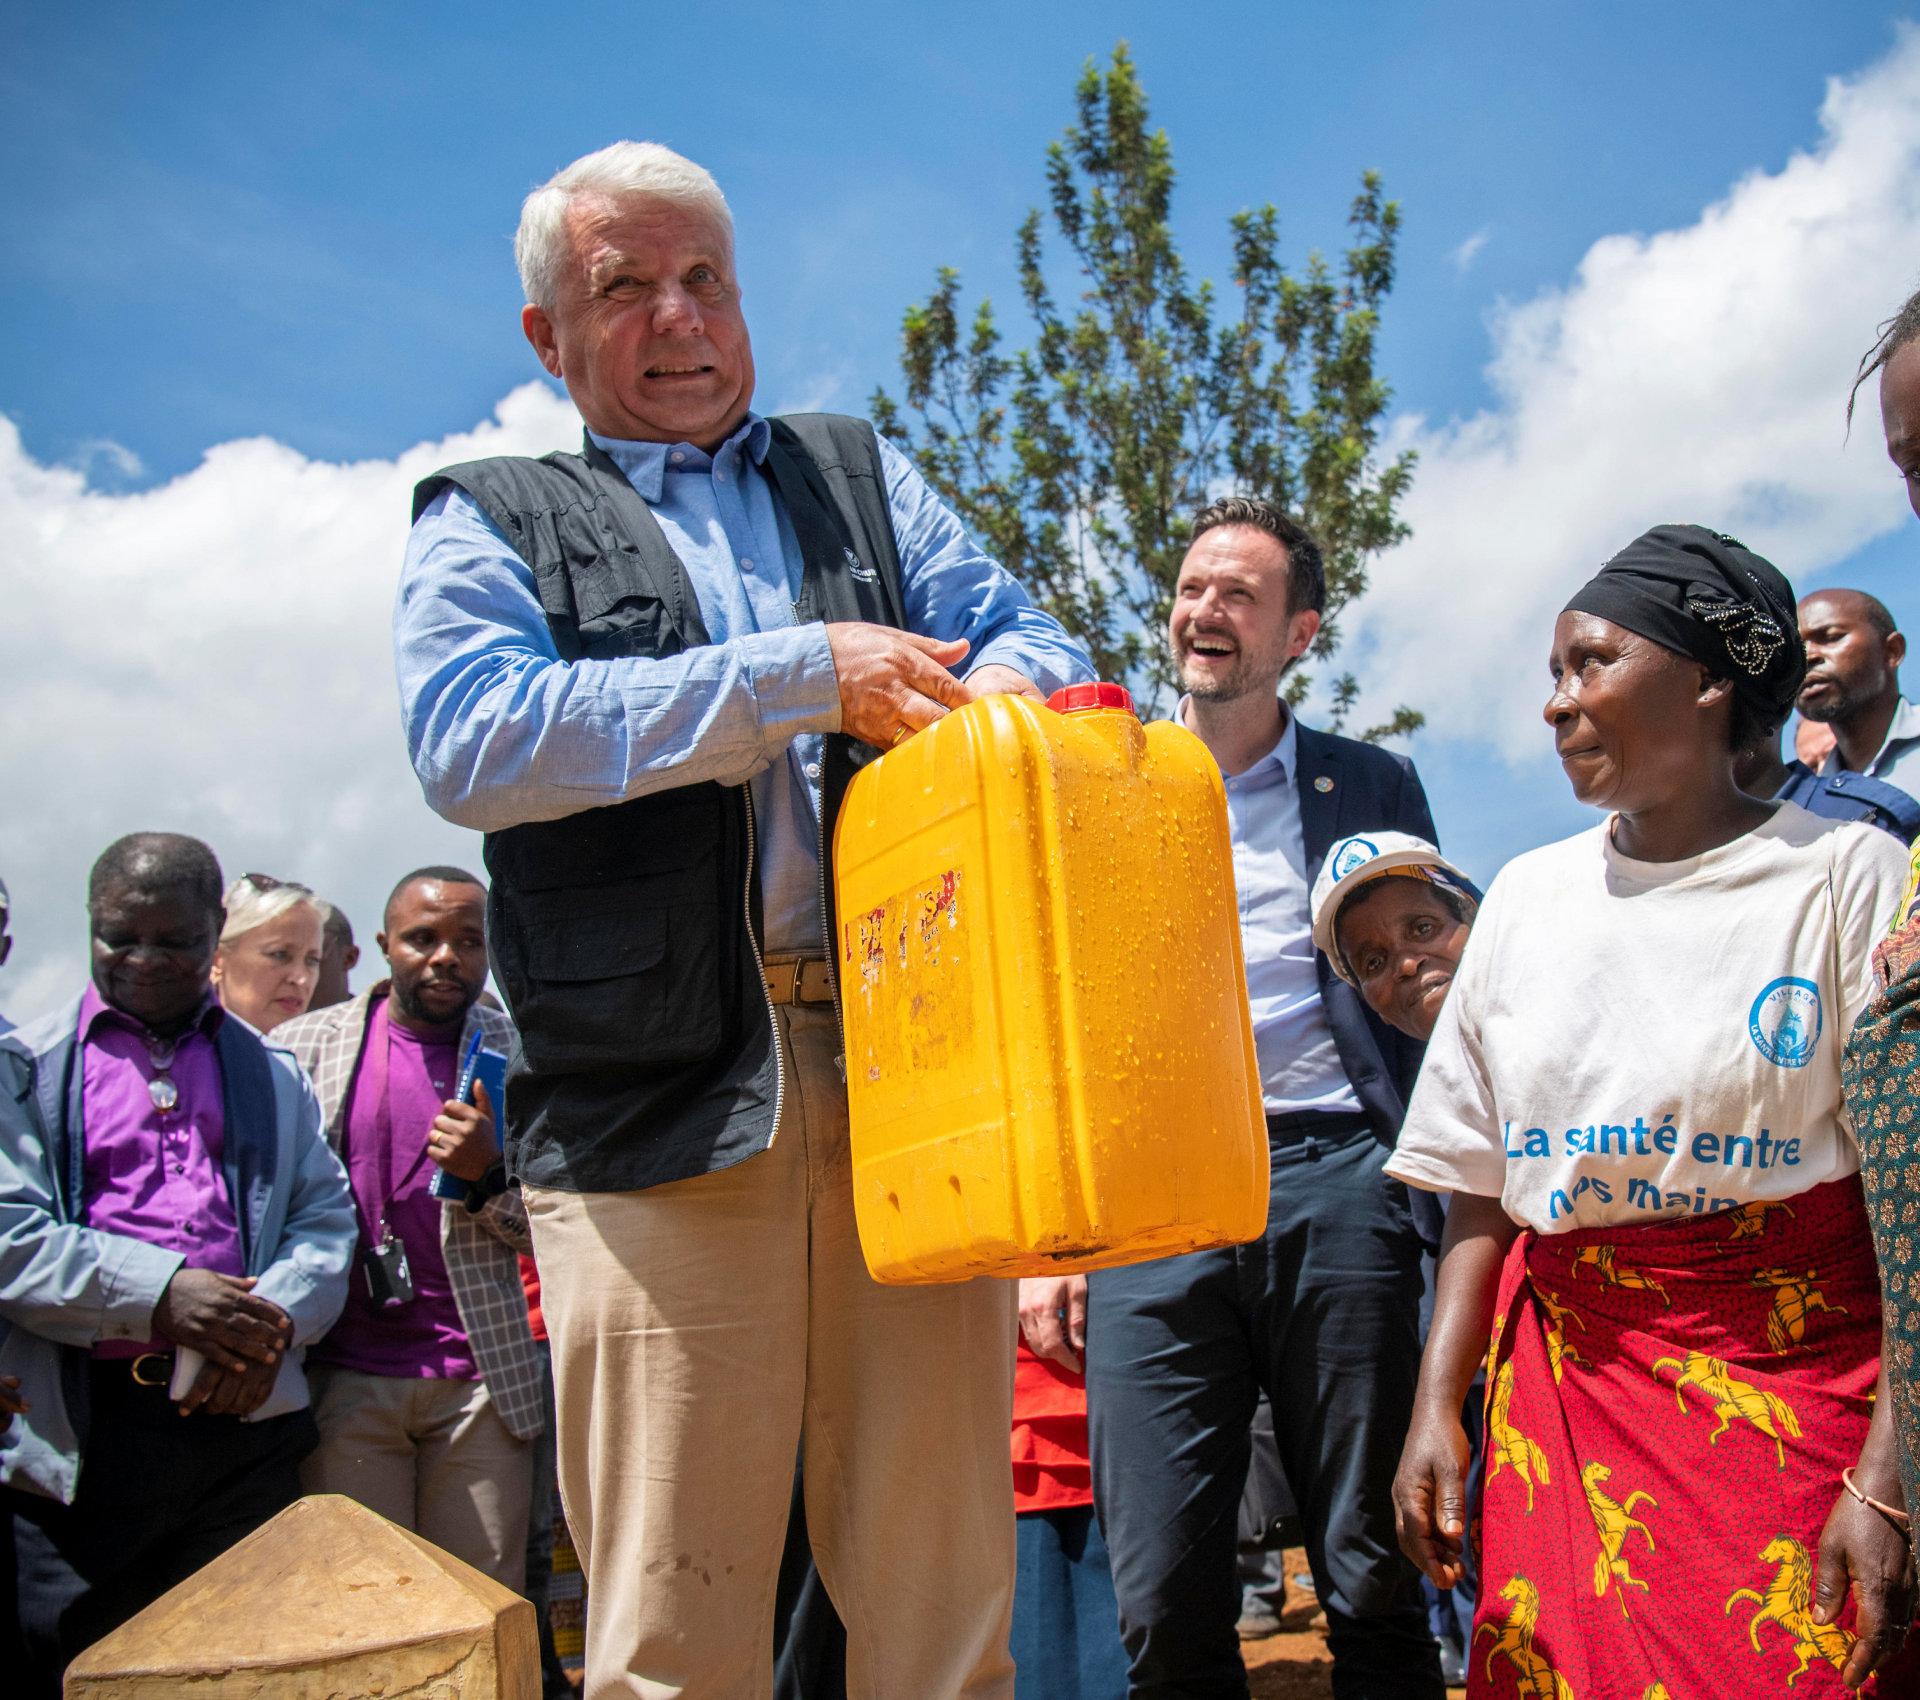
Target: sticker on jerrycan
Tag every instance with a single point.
(909, 963)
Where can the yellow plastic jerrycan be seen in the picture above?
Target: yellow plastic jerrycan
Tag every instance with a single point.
(1050, 1060)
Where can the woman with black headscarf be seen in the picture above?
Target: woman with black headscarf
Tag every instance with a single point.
(1633, 1093)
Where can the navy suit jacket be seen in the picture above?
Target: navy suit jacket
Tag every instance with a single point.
(1346, 787)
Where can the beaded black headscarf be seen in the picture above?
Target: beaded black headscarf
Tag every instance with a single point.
(1711, 599)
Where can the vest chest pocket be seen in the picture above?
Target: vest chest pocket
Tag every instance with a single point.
(618, 608)
(635, 625)
(623, 976)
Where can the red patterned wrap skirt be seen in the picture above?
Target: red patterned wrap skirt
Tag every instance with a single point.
(1669, 1408)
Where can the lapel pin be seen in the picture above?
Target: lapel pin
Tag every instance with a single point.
(1323, 784)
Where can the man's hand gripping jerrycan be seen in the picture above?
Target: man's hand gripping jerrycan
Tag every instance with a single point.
(1050, 1060)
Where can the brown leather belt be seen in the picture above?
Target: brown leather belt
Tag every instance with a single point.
(799, 982)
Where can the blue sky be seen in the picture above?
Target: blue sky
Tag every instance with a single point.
(293, 223)
(294, 220)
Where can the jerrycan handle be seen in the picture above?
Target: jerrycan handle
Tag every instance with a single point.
(1080, 699)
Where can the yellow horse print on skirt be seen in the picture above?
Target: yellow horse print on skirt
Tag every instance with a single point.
(1533, 1677)
(1559, 1353)
(1795, 1297)
(1511, 1448)
(1600, 1258)
(1614, 1520)
(1750, 1220)
(1656, 1691)
(1732, 1397)
(1788, 1601)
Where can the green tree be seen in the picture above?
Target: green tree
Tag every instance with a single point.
(1079, 459)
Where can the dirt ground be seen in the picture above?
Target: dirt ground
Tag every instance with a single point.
(1295, 1664)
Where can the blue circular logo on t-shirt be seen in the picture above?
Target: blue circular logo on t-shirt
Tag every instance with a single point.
(1784, 1022)
(1353, 854)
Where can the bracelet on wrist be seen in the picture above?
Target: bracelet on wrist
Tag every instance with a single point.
(1891, 1512)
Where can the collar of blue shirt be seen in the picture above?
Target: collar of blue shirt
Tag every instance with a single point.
(646, 464)
(1901, 731)
(1273, 768)
(1904, 728)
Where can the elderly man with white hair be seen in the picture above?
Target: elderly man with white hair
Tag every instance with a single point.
(647, 671)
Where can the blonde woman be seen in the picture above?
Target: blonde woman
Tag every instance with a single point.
(269, 956)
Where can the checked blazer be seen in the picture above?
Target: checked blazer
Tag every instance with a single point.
(481, 1247)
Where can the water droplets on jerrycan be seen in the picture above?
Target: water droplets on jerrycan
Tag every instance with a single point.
(1050, 1062)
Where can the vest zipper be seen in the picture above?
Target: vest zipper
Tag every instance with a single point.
(760, 967)
(833, 975)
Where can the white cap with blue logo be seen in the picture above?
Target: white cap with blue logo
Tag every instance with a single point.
(1354, 860)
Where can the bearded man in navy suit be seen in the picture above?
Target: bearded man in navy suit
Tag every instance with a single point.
(1322, 1311)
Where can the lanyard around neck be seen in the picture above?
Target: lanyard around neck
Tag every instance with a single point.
(376, 1082)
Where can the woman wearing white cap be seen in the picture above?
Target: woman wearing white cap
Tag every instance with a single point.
(1392, 916)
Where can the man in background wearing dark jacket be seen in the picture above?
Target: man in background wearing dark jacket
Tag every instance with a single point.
(1322, 1312)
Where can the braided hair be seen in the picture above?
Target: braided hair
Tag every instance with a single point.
(1895, 334)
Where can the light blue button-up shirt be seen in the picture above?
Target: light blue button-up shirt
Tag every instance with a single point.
(1300, 1067)
(502, 731)
(1898, 759)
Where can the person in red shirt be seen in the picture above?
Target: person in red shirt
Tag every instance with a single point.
(540, 1589)
(1066, 1622)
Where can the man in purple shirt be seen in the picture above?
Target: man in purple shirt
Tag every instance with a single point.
(428, 1391)
(163, 1186)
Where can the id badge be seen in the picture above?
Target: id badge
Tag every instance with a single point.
(389, 1280)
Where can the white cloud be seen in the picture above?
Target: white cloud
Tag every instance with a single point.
(211, 656)
(818, 391)
(102, 455)
(1462, 257)
(1697, 374)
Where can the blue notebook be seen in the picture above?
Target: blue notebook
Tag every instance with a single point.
(489, 1068)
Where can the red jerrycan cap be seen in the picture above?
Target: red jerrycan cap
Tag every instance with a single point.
(1079, 699)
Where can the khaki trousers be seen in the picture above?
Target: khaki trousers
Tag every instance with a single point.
(706, 1332)
(431, 1455)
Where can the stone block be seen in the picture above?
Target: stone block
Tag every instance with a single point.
(329, 1601)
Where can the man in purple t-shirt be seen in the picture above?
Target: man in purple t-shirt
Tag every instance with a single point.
(428, 1390)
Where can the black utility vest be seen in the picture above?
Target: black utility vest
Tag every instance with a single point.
(624, 938)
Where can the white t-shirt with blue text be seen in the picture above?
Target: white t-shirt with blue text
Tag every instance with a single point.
(1627, 1041)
